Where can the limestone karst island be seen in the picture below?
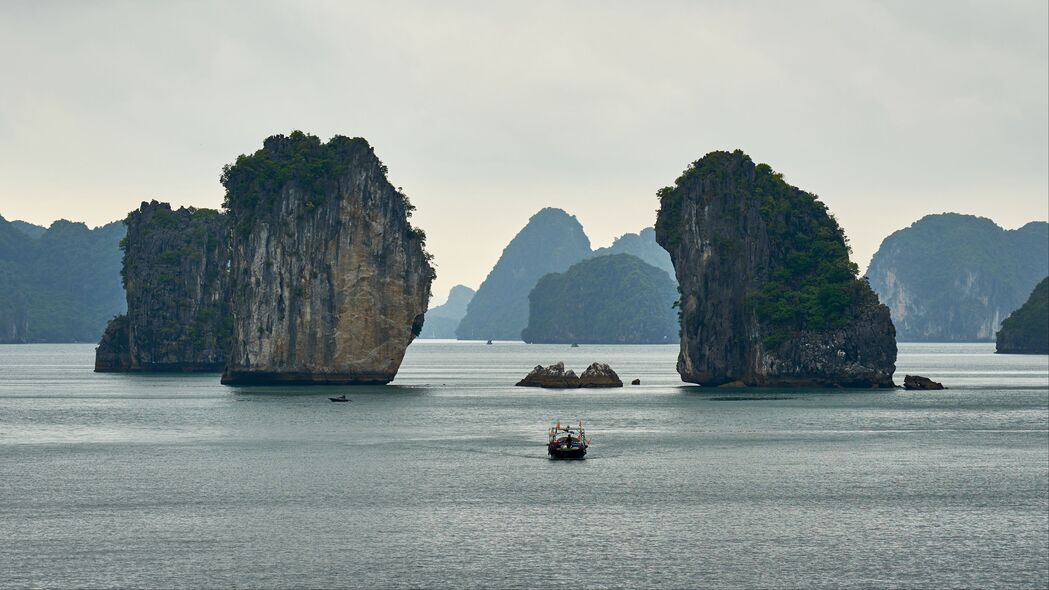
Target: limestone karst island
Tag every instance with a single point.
(312, 275)
(768, 293)
(329, 281)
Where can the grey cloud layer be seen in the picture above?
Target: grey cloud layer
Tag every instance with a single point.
(486, 112)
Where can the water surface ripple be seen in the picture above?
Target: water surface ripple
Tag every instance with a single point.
(441, 479)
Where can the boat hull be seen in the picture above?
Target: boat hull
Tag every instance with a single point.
(574, 453)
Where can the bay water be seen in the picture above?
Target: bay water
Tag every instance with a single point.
(441, 479)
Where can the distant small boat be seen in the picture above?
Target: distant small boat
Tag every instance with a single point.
(567, 442)
(341, 398)
(574, 345)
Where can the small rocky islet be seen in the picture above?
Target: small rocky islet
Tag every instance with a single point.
(920, 383)
(556, 376)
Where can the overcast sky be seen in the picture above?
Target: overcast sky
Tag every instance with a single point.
(486, 111)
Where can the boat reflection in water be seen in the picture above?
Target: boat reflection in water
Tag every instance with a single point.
(567, 442)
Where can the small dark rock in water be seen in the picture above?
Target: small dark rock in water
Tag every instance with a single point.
(636, 382)
(919, 382)
(556, 377)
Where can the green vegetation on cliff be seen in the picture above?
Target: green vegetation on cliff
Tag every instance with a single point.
(298, 162)
(811, 280)
(1026, 331)
(613, 299)
(954, 278)
(176, 278)
(768, 293)
(329, 282)
(60, 284)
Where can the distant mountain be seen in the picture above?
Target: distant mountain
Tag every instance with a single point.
(1026, 330)
(613, 299)
(551, 242)
(442, 320)
(954, 278)
(643, 245)
(62, 285)
(29, 229)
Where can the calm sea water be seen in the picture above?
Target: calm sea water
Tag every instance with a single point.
(442, 479)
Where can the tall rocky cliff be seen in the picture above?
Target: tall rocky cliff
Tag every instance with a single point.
(613, 299)
(176, 278)
(329, 281)
(768, 294)
(442, 320)
(1026, 331)
(551, 242)
(954, 278)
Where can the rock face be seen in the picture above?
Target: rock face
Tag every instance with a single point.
(1026, 331)
(177, 283)
(329, 281)
(551, 242)
(954, 278)
(442, 320)
(613, 299)
(922, 383)
(599, 375)
(113, 354)
(768, 294)
(556, 377)
(58, 284)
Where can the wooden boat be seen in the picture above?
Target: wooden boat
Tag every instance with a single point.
(567, 442)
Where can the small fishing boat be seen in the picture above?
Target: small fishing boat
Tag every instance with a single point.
(567, 442)
(341, 398)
